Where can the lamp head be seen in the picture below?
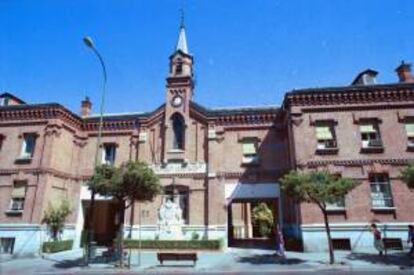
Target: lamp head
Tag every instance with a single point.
(88, 41)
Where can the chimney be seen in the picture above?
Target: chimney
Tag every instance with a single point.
(86, 107)
(404, 72)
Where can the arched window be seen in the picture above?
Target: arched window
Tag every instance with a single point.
(179, 67)
(178, 128)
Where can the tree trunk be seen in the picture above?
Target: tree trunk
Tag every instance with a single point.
(89, 226)
(55, 235)
(328, 233)
(131, 223)
(121, 233)
(131, 220)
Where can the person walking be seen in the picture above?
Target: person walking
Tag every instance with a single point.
(411, 239)
(280, 243)
(378, 242)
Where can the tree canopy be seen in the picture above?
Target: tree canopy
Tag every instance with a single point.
(318, 187)
(407, 175)
(55, 217)
(133, 181)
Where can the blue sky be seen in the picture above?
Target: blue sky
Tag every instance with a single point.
(247, 53)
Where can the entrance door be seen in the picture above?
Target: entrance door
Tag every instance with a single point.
(104, 221)
(251, 222)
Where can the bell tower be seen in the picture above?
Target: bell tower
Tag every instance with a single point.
(179, 92)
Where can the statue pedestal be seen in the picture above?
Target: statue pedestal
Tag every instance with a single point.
(174, 232)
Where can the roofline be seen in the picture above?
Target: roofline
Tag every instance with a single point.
(350, 88)
(233, 110)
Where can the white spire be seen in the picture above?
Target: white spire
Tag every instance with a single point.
(182, 40)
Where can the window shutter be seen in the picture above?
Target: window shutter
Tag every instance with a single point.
(323, 133)
(19, 191)
(249, 148)
(409, 127)
(367, 128)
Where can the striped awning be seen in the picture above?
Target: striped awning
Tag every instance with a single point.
(409, 127)
(19, 191)
(368, 128)
(323, 133)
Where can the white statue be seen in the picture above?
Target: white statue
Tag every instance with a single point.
(170, 220)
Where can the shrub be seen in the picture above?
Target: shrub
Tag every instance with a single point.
(263, 217)
(56, 246)
(195, 236)
(171, 244)
(55, 217)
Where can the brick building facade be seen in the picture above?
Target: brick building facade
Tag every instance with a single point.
(220, 163)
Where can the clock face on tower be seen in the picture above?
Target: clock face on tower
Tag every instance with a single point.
(177, 101)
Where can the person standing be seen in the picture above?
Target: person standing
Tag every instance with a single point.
(411, 239)
(378, 242)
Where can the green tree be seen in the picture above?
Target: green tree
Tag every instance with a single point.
(320, 188)
(407, 176)
(131, 182)
(55, 217)
(263, 217)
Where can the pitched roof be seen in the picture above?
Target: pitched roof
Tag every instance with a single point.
(6, 94)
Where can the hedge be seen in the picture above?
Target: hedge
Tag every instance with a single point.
(56, 246)
(171, 244)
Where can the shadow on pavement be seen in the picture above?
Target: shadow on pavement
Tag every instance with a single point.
(269, 259)
(397, 259)
(69, 263)
(79, 262)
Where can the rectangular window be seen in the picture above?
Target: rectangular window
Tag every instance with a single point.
(249, 147)
(17, 197)
(409, 128)
(370, 136)
(381, 191)
(339, 204)
(28, 146)
(325, 136)
(7, 245)
(108, 153)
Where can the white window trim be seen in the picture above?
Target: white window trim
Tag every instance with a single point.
(104, 155)
(385, 196)
(23, 149)
(19, 202)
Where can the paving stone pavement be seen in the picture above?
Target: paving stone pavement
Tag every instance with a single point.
(230, 261)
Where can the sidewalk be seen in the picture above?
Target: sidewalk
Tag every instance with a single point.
(232, 260)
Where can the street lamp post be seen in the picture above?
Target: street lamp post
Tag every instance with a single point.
(89, 43)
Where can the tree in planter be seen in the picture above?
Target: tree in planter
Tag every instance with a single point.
(263, 217)
(55, 217)
(407, 176)
(320, 188)
(131, 182)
